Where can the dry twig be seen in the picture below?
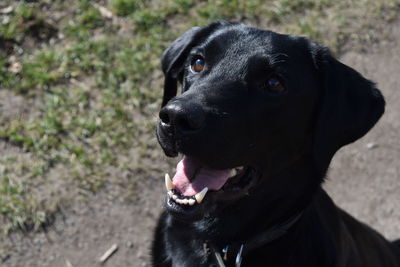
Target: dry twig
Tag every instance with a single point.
(108, 253)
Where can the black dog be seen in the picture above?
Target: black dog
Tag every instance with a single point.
(258, 121)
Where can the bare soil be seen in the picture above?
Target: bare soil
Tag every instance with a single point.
(364, 179)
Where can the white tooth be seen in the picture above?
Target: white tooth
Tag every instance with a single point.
(185, 201)
(199, 196)
(233, 172)
(168, 182)
(191, 201)
(170, 194)
(238, 169)
(178, 201)
(175, 197)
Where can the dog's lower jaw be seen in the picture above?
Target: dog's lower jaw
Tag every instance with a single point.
(273, 203)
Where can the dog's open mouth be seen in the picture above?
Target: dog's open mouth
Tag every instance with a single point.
(193, 182)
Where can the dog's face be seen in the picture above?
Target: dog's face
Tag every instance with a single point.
(252, 103)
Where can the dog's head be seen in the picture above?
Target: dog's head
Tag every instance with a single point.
(252, 103)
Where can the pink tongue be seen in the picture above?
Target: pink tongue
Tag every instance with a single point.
(204, 177)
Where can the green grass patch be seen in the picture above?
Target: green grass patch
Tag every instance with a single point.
(16, 210)
(125, 7)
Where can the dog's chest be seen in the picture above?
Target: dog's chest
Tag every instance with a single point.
(191, 255)
(186, 250)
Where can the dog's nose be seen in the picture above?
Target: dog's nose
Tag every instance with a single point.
(182, 117)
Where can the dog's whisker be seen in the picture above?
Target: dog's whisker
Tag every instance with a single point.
(274, 59)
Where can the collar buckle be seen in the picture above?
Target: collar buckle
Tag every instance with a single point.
(238, 260)
(224, 258)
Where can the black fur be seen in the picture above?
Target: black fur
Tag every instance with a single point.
(227, 116)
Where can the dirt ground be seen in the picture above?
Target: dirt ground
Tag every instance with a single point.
(364, 179)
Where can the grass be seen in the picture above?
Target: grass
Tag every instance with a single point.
(92, 85)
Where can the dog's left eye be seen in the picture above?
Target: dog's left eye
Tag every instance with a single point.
(197, 64)
(274, 84)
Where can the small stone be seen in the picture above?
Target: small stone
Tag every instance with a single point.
(5, 20)
(371, 145)
(129, 244)
(7, 10)
(16, 67)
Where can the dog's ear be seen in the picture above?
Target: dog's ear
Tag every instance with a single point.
(349, 107)
(173, 61)
(175, 56)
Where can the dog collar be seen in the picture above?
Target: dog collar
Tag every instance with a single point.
(232, 255)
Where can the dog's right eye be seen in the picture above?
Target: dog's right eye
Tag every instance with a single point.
(197, 64)
(274, 84)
